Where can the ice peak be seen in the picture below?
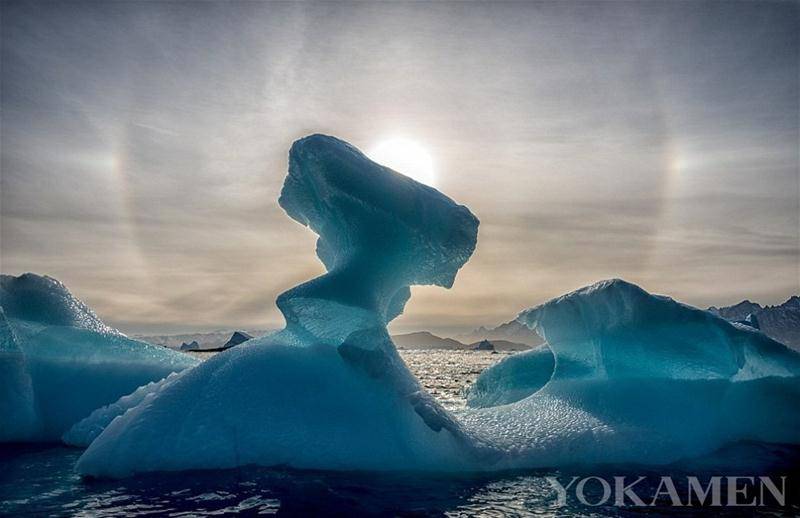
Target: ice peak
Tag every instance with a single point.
(379, 231)
(44, 300)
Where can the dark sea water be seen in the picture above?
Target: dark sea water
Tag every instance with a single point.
(38, 480)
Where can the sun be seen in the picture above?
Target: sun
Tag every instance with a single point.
(407, 157)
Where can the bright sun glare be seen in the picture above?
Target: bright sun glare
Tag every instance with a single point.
(407, 157)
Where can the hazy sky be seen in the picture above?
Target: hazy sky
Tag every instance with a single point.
(144, 145)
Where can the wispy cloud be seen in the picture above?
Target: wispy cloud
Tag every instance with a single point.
(144, 145)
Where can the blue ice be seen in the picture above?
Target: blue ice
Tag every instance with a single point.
(59, 361)
(625, 376)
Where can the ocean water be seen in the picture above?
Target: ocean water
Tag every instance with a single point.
(38, 480)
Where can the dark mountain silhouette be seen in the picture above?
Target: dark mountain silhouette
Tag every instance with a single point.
(781, 322)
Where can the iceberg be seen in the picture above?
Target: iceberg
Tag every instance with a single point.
(330, 390)
(86, 430)
(636, 378)
(191, 346)
(17, 406)
(238, 337)
(614, 329)
(625, 376)
(59, 361)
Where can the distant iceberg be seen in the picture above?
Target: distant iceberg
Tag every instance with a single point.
(238, 337)
(625, 376)
(59, 361)
(191, 346)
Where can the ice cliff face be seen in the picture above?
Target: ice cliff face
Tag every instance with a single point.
(59, 361)
(17, 405)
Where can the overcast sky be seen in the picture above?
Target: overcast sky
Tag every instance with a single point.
(144, 145)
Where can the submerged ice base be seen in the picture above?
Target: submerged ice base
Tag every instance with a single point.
(625, 375)
(59, 361)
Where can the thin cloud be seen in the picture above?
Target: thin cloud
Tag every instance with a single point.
(144, 145)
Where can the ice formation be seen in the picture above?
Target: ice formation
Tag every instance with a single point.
(637, 378)
(59, 361)
(513, 378)
(86, 430)
(16, 388)
(614, 329)
(330, 390)
(625, 375)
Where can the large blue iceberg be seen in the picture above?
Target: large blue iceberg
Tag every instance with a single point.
(625, 375)
(635, 377)
(59, 361)
(616, 330)
(330, 390)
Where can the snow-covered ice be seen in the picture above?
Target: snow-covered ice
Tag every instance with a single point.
(59, 361)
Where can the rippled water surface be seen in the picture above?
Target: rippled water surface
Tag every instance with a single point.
(39, 481)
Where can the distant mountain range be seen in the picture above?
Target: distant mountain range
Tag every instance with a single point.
(219, 340)
(781, 322)
(204, 341)
(426, 340)
(510, 331)
(238, 337)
